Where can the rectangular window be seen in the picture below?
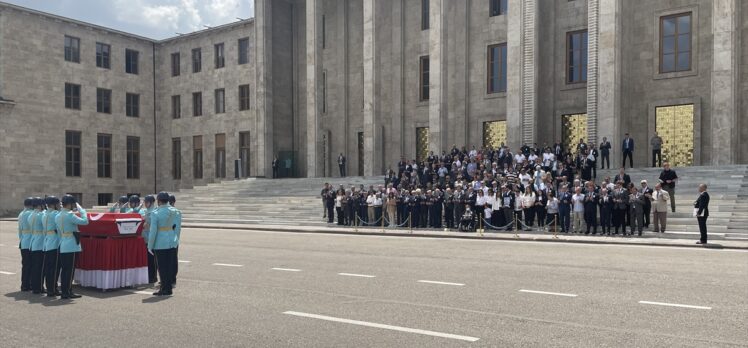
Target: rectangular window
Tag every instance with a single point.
(324, 92)
(104, 199)
(220, 155)
(176, 106)
(132, 105)
(243, 97)
(243, 51)
(72, 153)
(103, 55)
(244, 147)
(176, 158)
(424, 14)
(197, 104)
(324, 29)
(131, 61)
(675, 43)
(496, 68)
(197, 156)
(104, 100)
(424, 78)
(104, 155)
(220, 59)
(72, 96)
(72, 49)
(220, 99)
(197, 60)
(175, 64)
(133, 157)
(576, 59)
(498, 7)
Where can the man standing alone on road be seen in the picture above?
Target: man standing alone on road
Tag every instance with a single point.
(668, 179)
(701, 212)
(341, 165)
(656, 143)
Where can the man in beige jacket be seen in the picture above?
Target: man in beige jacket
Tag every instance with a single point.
(660, 200)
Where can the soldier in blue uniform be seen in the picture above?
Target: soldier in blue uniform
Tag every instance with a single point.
(120, 206)
(133, 206)
(149, 206)
(51, 247)
(162, 240)
(24, 237)
(67, 227)
(36, 223)
(173, 204)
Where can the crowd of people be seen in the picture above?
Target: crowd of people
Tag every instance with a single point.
(49, 240)
(550, 188)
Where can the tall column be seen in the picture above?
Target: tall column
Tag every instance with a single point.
(606, 93)
(724, 74)
(437, 76)
(398, 80)
(522, 61)
(313, 71)
(263, 137)
(372, 120)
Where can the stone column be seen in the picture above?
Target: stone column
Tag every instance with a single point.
(522, 61)
(263, 136)
(313, 71)
(606, 92)
(372, 119)
(398, 80)
(437, 76)
(724, 73)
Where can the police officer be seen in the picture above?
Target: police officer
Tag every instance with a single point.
(51, 247)
(36, 223)
(162, 240)
(175, 264)
(133, 205)
(24, 237)
(149, 206)
(67, 227)
(120, 206)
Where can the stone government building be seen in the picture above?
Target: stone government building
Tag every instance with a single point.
(100, 113)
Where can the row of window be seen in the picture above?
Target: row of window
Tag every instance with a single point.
(220, 156)
(495, 8)
(219, 58)
(219, 98)
(73, 145)
(103, 100)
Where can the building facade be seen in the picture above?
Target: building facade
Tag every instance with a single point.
(374, 80)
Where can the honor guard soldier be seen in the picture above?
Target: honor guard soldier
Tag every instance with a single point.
(67, 227)
(51, 247)
(162, 240)
(133, 205)
(173, 204)
(149, 206)
(36, 223)
(24, 237)
(120, 206)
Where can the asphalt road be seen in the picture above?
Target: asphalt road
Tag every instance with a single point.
(270, 289)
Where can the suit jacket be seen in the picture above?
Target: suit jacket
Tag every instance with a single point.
(702, 203)
(660, 201)
(637, 203)
(630, 147)
(647, 201)
(605, 148)
(623, 199)
(626, 179)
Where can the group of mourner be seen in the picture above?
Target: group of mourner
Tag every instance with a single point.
(50, 240)
(545, 188)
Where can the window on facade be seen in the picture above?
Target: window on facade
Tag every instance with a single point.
(675, 43)
(220, 59)
(424, 14)
(244, 147)
(324, 30)
(197, 60)
(243, 51)
(176, 158)
(72, 96)
(131, 61)
(175, 64)
(72, 49)
(133, 157)
(104, 100)
(176, 106)
(243, 97)
(220, 100)
(104, 199)
(197, 104)
(72, 153)
(132, 105)
(424, 78)
(498, 7)
(220, 155)
(103, 55)
(197, 156)
(496, 68)
(576, 59)
(324, 92)
(104, 155)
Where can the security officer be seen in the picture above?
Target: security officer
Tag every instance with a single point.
(67, 227)
(120, 206)
(149, 206)
(24, 237)
(162, 240)
(36, 223)
(173, 203)
(51, 247)
(133, 206)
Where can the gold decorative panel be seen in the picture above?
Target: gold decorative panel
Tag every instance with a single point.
(422, 143)
(360, 153)
(675, 125)
(573, 130)
(494, 134)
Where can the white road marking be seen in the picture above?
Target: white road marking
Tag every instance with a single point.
(184, 261)
(440, 283)
(383, 326)
(547, 293)
(286, 269)
(356, 275)
(7, 273)
(674, 305)
(227, 265)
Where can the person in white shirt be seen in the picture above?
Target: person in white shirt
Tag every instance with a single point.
(524, 178)
(552, 210)
(370, 205)
(377, 207)
(528, 207)
(519, 159)
(497, 205)
(532, 157)
(577, 201)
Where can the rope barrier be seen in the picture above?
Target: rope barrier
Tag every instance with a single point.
(495, 227)
(374, 223)
(400, 225)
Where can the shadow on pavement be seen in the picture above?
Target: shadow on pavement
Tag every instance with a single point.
(156, 299)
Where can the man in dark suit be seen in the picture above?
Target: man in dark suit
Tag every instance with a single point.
(275, 167)
(341, 165)
(628, 150)
(622, 176)
(605, 153)
(701, 211)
